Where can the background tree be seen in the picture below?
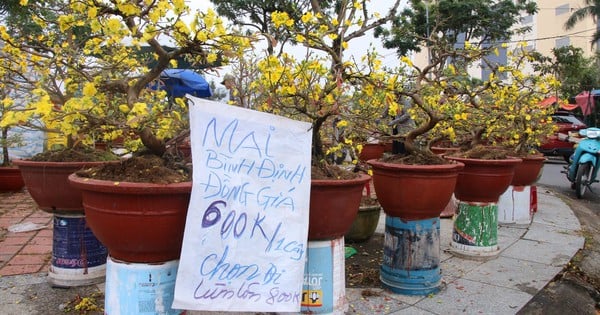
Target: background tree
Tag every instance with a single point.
(575, 72)
(590, 10)
(255, 15)
(475, 21)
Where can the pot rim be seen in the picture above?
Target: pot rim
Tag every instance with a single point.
(509, 160)
(100, 185)
(20, 162)
(452, 166)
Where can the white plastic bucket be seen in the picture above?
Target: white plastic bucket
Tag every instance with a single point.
(138, 288)
(324, 288)
(514, 206)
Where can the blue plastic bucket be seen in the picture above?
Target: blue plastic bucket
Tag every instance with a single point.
(78, 257)
(138, 288)
(411, 256)
(324, 289)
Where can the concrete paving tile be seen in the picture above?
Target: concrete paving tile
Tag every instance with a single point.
(412, 310)
(556, 235)
(470, 297)
(512, 273)
(553, 211)
(456, 267)
(541, 252)
(378, 301)
(508, 236)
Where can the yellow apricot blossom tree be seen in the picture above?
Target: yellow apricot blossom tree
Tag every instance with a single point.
(93, 78)
(506, 109)
(324, 84)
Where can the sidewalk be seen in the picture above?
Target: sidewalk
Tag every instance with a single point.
(530, 257)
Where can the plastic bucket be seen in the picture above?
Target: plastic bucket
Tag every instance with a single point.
(475, 231)
(138, 288)
(514, 206)
(411, 256)
(78, 258)
(324, 287)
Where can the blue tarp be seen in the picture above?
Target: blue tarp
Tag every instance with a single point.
(178, 82)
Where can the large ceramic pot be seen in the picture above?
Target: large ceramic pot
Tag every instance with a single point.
(528, 171)
(333, 206)
(414, 192)
(365, 224)
(48, 185)
(484, 180)
(10, 179)
(137, 222)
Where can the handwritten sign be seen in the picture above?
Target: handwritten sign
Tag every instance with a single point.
(244, 244)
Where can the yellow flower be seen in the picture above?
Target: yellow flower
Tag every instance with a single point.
(89, 89)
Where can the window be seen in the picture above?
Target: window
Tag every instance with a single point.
(562, 9)
(562, 42)
(527, 19)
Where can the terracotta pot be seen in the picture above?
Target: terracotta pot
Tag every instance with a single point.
(137, 222)
(365, 224)
(414, 192)
(11, 179)
(484, 180)
(444, 150)
(372, 151)
(528, 171)
(49, 187)
(334, 206)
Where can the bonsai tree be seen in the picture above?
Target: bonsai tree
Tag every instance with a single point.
(441, 89)
(324, 84)
(90, 70)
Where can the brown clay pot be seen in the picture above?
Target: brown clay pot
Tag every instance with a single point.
(49, 187)
(444, 150)
(10, 179)
(528, 171)
(333, 206)
(372, 151)
(484, 180)
(414, 192)
(137, 222)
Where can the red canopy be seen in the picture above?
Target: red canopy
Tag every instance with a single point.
(553, 99)
(585, 101)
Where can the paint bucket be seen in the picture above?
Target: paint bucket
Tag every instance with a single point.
(534, 200)
(514, 206)
(324, 288)
(138, 288)
(411, 256)
(78, 257)
(475, 231)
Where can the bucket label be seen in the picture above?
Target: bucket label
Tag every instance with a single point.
(74, 245)
(140, 288)
(476, 224)
(322, 280)
(411, 245)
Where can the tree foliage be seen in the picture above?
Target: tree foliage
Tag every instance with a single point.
(590, 10)
(455, 21)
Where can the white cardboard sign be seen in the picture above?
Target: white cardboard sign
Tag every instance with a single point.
(244, 244)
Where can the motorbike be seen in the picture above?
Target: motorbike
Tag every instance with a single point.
(585, 162)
